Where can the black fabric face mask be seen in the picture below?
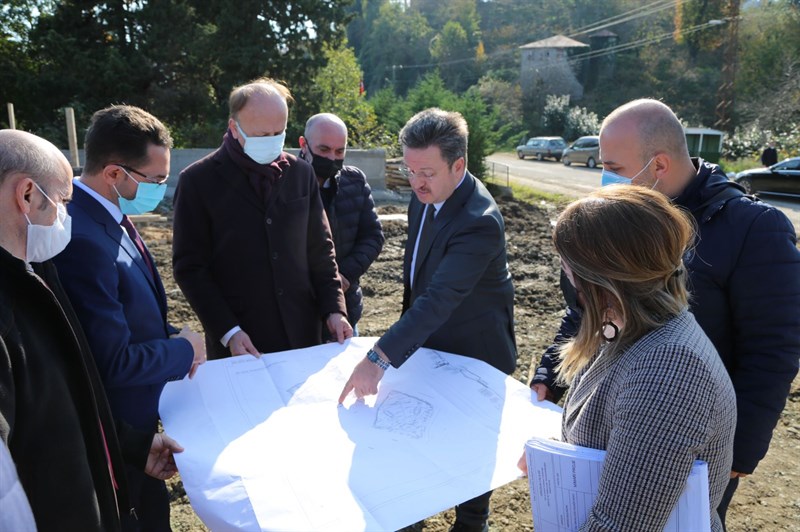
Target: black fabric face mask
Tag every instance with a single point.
(569, 292)
(325, 168)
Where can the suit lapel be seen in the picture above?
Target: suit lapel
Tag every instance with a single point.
(450, 209)
(115, 232)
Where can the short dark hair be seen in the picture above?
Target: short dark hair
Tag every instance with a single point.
(436, 127)
(122, 134)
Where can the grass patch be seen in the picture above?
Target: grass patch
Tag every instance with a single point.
(738, 165)
(531, 195)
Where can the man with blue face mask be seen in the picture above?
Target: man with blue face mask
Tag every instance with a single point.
(252, 246)
(744, 273)
(68, 448)
(114, 284)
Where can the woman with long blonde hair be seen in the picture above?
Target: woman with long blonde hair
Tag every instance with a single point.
(646, 384)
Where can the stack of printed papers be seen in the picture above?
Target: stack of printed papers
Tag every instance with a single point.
(563, 484)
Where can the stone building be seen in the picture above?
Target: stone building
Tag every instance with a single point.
(546, 67)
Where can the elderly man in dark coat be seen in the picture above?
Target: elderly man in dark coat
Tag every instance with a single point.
(252, 248)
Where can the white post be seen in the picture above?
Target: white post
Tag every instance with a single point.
(72, 136)
(12, 122)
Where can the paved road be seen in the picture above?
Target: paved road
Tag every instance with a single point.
(576, 181)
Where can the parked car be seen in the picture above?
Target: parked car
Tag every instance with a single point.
(585, 150)
(541, 147)
(782, 178)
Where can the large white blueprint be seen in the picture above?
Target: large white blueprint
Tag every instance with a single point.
(269, 448)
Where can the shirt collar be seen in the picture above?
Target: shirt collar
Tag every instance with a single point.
(438, 206)
(112, 209)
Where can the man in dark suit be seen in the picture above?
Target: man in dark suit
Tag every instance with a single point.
(54, 416)
(115, 287)
(458, 296)
(252, 248)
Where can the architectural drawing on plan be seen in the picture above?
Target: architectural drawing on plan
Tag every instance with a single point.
(485, 389)
(404, 414)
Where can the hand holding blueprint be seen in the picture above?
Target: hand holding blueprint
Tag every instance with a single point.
(267, 447)
(563, 485)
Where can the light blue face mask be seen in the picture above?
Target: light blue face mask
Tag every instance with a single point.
(612, 178)
(262, 150)
(148, 196)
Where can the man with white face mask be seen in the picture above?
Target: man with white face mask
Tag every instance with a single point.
(744, 273)
(252, 247)
(115, 286)
(54, 416)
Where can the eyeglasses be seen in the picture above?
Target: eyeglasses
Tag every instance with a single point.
(153, 180)
(406, 172)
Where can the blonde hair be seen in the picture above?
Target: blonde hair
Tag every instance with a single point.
(241, 94)
(624, 244)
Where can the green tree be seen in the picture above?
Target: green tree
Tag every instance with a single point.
(397, 39)
(767, 86)
(691, 14)
(336, 89)
(451, 50)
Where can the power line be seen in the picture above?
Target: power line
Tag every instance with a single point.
(627, 16)
(633, 14)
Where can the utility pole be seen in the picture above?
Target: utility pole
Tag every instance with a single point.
(730, 56)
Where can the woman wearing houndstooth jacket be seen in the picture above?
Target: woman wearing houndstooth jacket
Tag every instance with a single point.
(646, 384)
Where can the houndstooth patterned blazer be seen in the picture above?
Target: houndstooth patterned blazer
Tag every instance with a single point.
(655, 408)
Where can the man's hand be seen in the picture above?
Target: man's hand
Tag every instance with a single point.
(240, 344)
(364, 380)
(736, 474)
(522, 463)
(198, 347)
(543, 392)
(339, 327)
(161, 462)
(345, 283)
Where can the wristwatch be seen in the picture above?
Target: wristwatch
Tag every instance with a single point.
(376, 359)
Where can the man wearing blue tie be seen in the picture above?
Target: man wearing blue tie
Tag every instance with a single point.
(115, 287)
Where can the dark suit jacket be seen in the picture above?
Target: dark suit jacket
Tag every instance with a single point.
(462, 300)
(123, 311)
(268, 268)
(54, 415)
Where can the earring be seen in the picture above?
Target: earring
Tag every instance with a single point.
(609, 331)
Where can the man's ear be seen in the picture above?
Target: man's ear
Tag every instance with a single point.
(661, 165)
(233, 129)
(112, 174)
(23, 192)
(460, 165)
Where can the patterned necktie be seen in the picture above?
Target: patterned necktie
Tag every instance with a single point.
(127, 224)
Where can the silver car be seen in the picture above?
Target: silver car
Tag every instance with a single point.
(542, 147)
(585, 150)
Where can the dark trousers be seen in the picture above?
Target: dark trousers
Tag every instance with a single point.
(722, 509)
(151, 501)
(474, 512)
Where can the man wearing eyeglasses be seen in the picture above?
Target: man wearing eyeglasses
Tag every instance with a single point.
(458, 296)
(114, 284)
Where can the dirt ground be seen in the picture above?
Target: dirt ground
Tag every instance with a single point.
(765, 501)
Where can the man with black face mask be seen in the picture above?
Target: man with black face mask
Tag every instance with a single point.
(357, 234)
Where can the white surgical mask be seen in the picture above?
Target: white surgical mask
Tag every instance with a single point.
(262, 150)
(47, 241)
(612, 178)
